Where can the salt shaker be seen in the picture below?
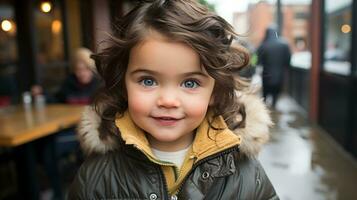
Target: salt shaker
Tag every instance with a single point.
(26, 99)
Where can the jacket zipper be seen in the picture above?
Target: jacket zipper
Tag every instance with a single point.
(202, 161)
(162, 176)
(166, 189)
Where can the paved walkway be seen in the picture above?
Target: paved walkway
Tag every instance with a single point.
(304, 162)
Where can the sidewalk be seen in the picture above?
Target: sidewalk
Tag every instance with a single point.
(304, 162)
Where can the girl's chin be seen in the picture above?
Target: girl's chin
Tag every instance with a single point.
(170, 143)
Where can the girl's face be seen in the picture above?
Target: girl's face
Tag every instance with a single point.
(168, 91)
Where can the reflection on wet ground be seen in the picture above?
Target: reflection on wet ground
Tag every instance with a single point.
(303, 162)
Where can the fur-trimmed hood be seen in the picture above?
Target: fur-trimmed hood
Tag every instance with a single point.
(253, 135)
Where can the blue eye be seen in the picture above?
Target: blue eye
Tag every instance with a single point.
(190, 84)
(148, 82)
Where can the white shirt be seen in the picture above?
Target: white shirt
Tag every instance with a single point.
(176, 157)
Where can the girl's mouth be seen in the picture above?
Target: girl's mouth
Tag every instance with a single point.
(167, 121)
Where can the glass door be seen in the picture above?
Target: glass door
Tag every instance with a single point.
(338, 22)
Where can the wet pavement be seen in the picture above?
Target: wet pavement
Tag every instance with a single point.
(304, 162)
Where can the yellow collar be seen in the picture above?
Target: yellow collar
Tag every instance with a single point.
(208, 141)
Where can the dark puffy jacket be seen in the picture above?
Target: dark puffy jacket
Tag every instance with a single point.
(115, 171)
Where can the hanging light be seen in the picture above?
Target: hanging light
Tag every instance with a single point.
(346, 28)
(46, 6)
(6, 25)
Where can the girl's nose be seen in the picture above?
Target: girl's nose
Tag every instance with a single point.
(168, 99)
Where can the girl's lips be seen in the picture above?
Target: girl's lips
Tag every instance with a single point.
(166, 121)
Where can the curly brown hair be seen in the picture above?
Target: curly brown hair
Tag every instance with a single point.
(183, 21)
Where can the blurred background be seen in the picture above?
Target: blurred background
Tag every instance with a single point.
(313, 150)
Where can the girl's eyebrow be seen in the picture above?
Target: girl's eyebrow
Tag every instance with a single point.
(147, 71)
(197, 73)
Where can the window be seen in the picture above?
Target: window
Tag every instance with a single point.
(49, 34)
(8, 54)
(338, 15)
(50, 55)
(8, 50)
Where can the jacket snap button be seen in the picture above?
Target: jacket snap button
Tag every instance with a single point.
(153, 196)
(173, 197)
(205, 175)
(258, 182)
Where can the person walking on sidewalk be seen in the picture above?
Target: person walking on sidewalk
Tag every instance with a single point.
(274, 55)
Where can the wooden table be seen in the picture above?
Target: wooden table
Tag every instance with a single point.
(21, 128)
(20, 125)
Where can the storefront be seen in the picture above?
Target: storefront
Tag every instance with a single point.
(337, 107)
(327, 87)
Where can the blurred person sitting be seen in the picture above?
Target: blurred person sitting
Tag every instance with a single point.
(81, 84)
(274, 55)
(77, 89)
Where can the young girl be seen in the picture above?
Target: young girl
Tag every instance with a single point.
(170, 122)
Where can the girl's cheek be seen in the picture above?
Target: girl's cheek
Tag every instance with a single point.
(197, 108)
(139, 103)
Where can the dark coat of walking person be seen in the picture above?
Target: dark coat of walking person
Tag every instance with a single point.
(274, 55)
